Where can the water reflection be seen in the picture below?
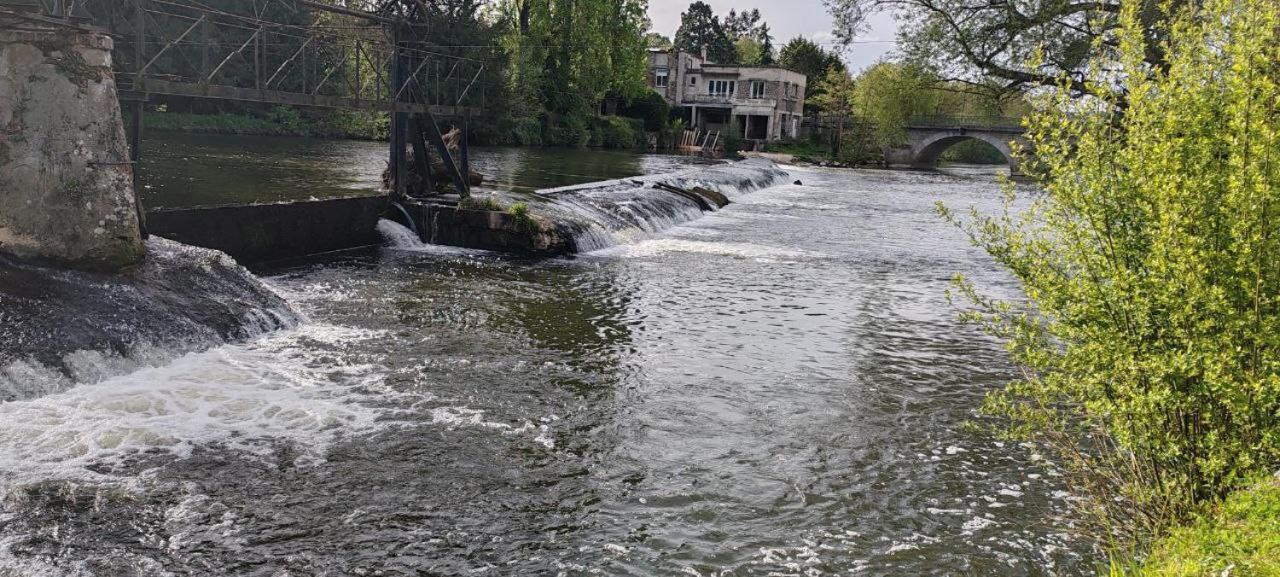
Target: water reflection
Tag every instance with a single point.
(180, 170)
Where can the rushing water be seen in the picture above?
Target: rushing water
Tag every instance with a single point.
(778, 388)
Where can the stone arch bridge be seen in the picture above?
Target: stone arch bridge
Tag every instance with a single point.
(929, 137)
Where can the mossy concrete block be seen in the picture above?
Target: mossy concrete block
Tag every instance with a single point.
(66, 185)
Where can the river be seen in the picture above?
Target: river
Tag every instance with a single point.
(778, 388)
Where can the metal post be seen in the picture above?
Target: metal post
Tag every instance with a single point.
(397, 120)
(140, 44)
(359, 84)
(204, 50)
(257, 61)
(463, 146)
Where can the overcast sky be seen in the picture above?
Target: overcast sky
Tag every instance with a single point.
(787, 19)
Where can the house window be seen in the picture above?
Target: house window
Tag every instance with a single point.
(757, 89)
(693, 81)
(720, 87)
(661, 77)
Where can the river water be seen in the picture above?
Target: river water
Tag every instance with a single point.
(778, 388)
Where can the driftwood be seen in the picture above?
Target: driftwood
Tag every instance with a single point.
(702, 202)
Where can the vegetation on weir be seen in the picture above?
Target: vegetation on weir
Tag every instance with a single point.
(1150, 333)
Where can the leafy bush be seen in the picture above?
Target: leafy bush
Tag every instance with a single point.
(1240, 537)
(524, 222)
(652, 108)
(526, 132)
(568, 130)
(617, 132)
(1151, 329)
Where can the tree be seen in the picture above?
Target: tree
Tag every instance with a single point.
(741, 25)
(700, 28)
(656, 40)
(1147, 255)
(766, 45)
(966, 42)
(566, 55)
(806, 57)
(890, 94)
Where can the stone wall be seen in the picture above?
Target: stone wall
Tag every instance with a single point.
(66, 187)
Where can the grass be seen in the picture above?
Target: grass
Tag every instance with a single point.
(480, 203)
(1240, 538)
(801, 149)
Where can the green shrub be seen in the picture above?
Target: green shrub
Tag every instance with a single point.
(524, 222)
(480, 203)
(651, 108)
(526, 132)
(1150, 335)
(617, 132)
(568, 130)
(1239, 537)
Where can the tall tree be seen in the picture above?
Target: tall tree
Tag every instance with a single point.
(997, 40)
(701, 28)
(806, 57)
(766, 44)
(738, 25)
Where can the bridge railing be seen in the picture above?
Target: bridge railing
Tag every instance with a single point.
(297, 52)
(946, 121)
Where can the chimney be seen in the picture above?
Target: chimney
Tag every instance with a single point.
(704, 52)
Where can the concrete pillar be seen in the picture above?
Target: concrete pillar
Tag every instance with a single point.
(66, 185)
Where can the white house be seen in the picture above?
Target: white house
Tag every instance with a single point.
(766, 101)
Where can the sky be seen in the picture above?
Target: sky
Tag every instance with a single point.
(788, 19)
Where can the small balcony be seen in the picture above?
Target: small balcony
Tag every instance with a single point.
(727, 100)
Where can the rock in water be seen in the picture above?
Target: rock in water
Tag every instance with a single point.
(60, 327)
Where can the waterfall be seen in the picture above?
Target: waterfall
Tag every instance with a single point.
(65, 327)
(398, 236)
(604, 214)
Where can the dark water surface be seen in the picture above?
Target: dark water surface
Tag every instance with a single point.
(181, 170)
(779, 388)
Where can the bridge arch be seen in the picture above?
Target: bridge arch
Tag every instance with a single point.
(928, 148)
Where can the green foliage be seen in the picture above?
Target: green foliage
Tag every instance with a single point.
(889, 94)
(570, 131)
(1151, 329)
(526, 132)
(617, 132)
(973, 151)
(806, 57)
(279, 121)
(700, 27)
(1241, 536)
(651, 108)
(566, 55)
(524, 222)
(656, 40)
(480, 203)
(835, 93)
(1017, 45)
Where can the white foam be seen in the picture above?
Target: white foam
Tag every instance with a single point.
(401, 238)
(277, 387)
